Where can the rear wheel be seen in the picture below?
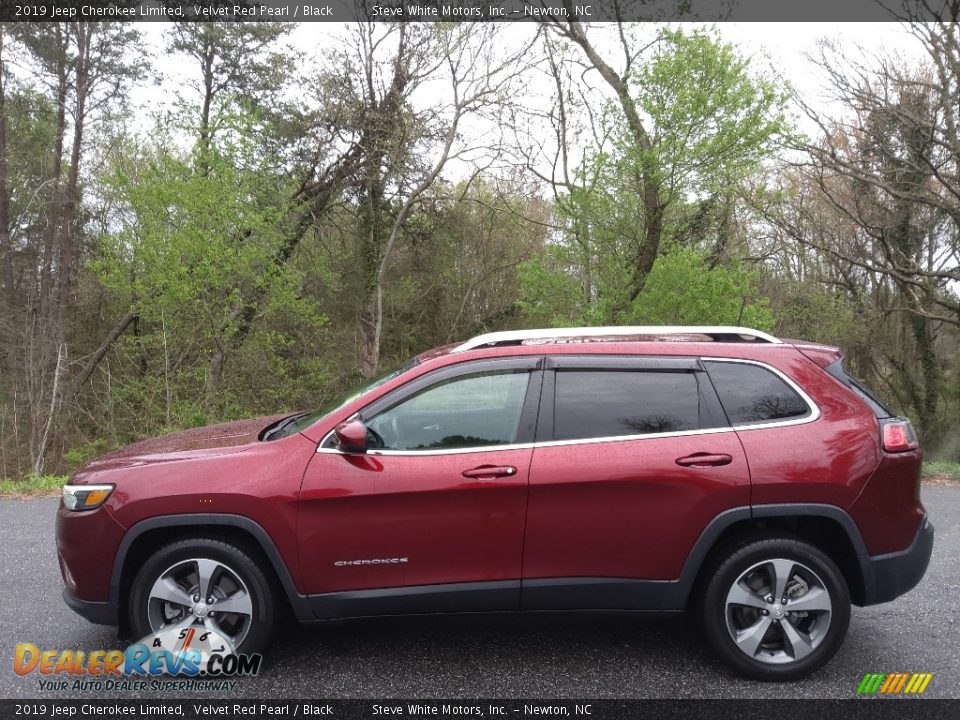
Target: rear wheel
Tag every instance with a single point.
(207, 585)
(776, 609)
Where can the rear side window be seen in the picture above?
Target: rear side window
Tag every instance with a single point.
(752, 394)
(612, 403)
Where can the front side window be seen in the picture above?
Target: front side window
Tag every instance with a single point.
(301, 421)
(752, 394)
(612, 403)
(464, 412)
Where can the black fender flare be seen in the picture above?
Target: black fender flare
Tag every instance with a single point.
(679, 592)
(299, 603)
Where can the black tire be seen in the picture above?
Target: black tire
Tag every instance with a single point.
(745, 558)
(237, 560)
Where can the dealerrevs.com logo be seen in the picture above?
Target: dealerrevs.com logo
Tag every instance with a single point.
(894, 683)
(200, 657)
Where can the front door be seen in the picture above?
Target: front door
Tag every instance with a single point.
(439, 498)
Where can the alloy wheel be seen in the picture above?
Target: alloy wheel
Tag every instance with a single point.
(778, 611)
(204, 592)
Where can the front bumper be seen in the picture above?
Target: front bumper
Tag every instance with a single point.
(886, 577)
(87, 543)
(101, 613)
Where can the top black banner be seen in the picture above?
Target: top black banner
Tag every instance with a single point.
(481, 10)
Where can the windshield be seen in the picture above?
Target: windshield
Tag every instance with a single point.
(296, 423)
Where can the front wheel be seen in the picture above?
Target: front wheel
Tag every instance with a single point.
(776, 609)
(207, 585)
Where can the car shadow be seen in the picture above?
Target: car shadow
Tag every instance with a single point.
(554, 654)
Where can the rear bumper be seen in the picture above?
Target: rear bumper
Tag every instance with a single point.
(886, 577)
(101, 613)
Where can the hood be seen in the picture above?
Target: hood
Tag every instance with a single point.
(222, 435)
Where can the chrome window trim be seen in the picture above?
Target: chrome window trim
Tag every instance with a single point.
(421, 453)
(810, 417)
(526, 446)
(643, 436)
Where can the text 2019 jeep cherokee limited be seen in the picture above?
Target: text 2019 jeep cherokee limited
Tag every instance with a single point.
(642, 468)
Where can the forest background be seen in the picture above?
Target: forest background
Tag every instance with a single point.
(278, 225)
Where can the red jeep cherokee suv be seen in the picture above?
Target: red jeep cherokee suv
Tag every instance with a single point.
(628, 468)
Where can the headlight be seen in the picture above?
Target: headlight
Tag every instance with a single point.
(85, 497)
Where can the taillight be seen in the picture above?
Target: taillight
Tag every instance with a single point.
(898, 435)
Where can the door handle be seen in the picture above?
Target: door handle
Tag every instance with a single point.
(490, 471)
(702, 460)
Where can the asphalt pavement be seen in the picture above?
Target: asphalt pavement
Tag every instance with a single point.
(542, 655)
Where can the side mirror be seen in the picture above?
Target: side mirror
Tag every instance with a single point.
(352, 436)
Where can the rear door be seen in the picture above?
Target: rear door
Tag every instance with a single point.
(634, 457)
(440, 497)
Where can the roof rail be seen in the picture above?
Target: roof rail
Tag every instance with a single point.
(717, 333)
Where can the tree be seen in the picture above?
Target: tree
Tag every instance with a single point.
(683, 290)
(239, 68)
(887, 168)
(193, 246)
(684, 133)
(237, 62)
(478, 81)
(82, 68)
(692, 114)
(456, 273)
(6, 244)
(897, 158)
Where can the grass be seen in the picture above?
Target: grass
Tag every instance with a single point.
(941, 471)
(32, 486)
